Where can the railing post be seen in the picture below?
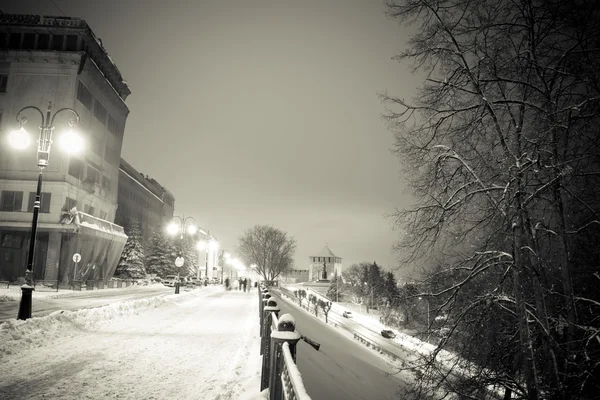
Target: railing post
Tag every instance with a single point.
(263, 304)
(260, 304)
(270, 308)
(286, 332)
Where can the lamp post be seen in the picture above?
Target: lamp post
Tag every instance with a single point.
(182, 227)
(20, 139)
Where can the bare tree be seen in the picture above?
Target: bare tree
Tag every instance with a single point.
(325, 306)
(502, 153)
(269, 248)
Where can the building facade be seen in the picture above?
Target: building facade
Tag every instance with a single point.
(325, 258)
(59, 61)
(143, 199)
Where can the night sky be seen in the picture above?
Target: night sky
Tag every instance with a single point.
(261, 112)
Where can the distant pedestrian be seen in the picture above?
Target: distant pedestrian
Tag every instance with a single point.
(227, 284)
(245, 282)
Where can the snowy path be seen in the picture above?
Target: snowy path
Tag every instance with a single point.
(196, 348)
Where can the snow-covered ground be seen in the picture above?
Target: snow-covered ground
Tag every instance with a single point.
(13, 292)
(405, 340)
(201, 344)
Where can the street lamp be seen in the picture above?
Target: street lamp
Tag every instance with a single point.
(20, 139)
(182, 228)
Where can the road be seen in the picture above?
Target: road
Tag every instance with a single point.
(46, 303)
(342, 368)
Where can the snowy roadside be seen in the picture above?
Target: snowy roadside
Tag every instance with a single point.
(195, 345)
(411, 344)
(13, 292)
(17, 335)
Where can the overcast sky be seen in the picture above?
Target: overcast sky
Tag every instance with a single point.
(261, 112)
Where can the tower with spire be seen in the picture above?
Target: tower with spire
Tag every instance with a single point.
(324, 265)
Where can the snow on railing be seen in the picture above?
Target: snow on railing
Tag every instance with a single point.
(279, 373)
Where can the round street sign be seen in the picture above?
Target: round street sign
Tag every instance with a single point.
(76, 257)
(179, 262)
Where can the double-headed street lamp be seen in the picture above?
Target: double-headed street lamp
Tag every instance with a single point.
(182, 228)
(71, 142)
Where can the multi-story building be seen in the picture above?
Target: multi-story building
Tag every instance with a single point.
(143, 199)
(59, 61)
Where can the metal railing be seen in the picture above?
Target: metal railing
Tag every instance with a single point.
(279, 337)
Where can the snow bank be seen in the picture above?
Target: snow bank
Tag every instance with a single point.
(16, 335)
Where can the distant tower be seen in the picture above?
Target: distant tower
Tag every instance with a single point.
(333, 265)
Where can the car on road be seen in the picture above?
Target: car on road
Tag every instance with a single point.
(347, 314)
(170, 280)
(387, 333)
(193, 281)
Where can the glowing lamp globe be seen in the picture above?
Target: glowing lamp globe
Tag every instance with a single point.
(19, 139)
(192, 229)
(71, 142)
(172, 228)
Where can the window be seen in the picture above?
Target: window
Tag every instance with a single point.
(93, 175)
(84, 95)
(71, 42)
(112, 124)
(45, 202)
(3, 39)
(95, 144)
(76, 168)
(14, 41)
(3, 82)
(12, 240)
(28, 41)
(100, 112)
(102, 214)
(88, 209)
(69, 204)
(106, 183)
(43, 41)
(11, 201)
(57, 42)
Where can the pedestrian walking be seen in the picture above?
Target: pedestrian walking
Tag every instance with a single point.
(245, 282)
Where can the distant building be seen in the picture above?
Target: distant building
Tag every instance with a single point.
(60, 60)
(143, 199)
(313, 271)
(332, 263)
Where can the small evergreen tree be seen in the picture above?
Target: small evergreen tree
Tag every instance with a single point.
(161, 255)
(131, 264)
(390, 289)
(190, 257)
